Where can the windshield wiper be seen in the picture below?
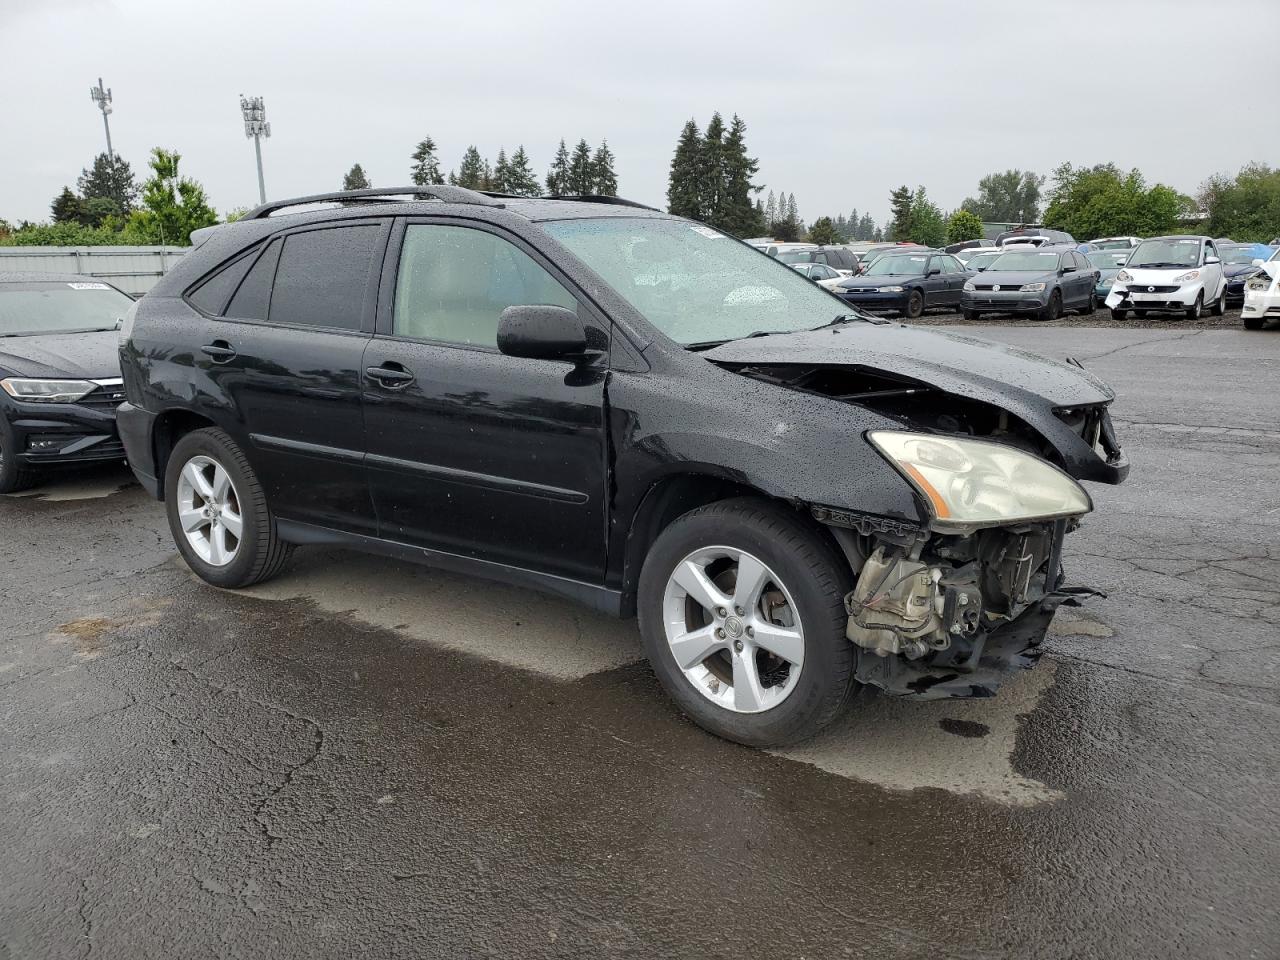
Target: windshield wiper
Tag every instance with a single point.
(708, 344)
(852, 318)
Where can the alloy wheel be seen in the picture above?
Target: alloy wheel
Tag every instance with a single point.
(733, 629)
(209, 511)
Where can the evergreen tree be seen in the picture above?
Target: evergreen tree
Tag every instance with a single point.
(471, 170)
(900, 205)
(927, 225)
(711, 172)
(581, 172)
(841, 226)
(770, 213)
(66, 207)
(426, 168)
(558, 175)
(793, 212)
(867, 229)
(823, 232)
(684, 196)
(604, 178)
(355, 179)
(738, 213)
(520, 177)
(486, 179)
(501, 173)
(110, 178)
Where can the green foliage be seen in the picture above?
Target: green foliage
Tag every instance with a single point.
(604, 178)
(110, 178)
(964, 225)
(581, 172)
(927, 225)
(426, 167)
(900, 209)
(787, 227)
(1102, 201)
(355, 179)
(823, 231)
(520, 177)
(70, 234)
(172, 205)
(558, 181)
(235, 214)
(1009, 197)
(471, 171)
(66, 207)
(738, 213)
(684, 191)
(1246, 207)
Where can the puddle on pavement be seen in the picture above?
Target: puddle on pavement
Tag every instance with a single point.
(79, 486)
(961, 746)
(519, 628)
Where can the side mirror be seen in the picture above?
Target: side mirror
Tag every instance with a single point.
(934, 271)
(1211, 259)
(1068, 268)
(540, 332)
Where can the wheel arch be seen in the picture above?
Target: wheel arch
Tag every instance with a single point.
(170, 427)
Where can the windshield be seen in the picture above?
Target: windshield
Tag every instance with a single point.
(1165, 253)
(980, 261)
(1105, 261)
(898, 265)
(1112, 244)
(59, 307)
(693, 283)
(1239, 255)
(1029, 261)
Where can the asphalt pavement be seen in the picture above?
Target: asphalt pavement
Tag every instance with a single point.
(365, 758)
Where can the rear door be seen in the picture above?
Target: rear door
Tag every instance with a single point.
(287, 356)
(470, 451)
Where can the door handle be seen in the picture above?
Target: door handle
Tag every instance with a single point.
(390, 375)
(219, 350)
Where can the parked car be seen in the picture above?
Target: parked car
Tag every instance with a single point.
(59, 374)
(1035, 236)
(1262, 295)
(955, 249)
(1042, 283)
(1116, 243)
(1178, 273)
(775, 247)
(826, 277)
(1239, 263)
(982, 259)
(907, 282)
(838, 258)
(609, 403)
(1107, 263)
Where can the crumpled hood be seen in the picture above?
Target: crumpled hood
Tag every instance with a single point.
(966, 366)
(1235, 271)
(87, 356)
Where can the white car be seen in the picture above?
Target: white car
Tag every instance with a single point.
(1262, 295)
(1183, 274)
(824, 276)
(1116, 243)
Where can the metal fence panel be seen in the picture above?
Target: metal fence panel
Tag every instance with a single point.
(134, 270)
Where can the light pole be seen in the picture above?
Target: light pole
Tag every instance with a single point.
(256, 126)
(102, 97)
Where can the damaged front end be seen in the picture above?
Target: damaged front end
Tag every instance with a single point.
(937, 615)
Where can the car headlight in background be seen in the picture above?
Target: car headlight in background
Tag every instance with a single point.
(46, 391)
(968, 285)
(1031, 288)
(1124, 276)
(979, 483)
(1188, 277)
(891, 289)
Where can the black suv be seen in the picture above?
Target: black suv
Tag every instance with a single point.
(593, 398)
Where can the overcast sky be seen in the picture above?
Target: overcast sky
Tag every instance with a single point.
(843, 101)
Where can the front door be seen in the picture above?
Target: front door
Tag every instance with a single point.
(470, 451)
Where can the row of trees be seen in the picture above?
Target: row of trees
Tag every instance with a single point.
(580, 172)
(711, 179)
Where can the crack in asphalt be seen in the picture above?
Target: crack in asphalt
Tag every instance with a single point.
(1140, 343)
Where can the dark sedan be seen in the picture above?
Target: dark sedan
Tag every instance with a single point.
(908, 282)
(1039, 282)
(59, 373)
(1238, 266)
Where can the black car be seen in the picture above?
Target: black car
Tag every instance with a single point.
(1238, 267)
(596, 399)
(908, 281)
(1040, 282)
(59, 374)
(837, 258)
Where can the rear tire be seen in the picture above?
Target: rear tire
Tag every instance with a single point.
(13, 476)
(1092, 306)
(221, 552)
(800, 582)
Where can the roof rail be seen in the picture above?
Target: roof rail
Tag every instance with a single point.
(596, 198)
(439, 192)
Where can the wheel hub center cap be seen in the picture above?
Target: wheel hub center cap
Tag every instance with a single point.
(733, 627)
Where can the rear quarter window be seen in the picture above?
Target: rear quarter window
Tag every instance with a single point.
(212, 295)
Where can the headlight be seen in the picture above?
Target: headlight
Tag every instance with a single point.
(1258, 283)
(46, 391)
(1124, 276)
(968, 285)
(891, 289)
(1031, 288)
(978, 483)
(1187, 277)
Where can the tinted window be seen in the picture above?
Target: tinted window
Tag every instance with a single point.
(250, 301)
(323, 277)
(212, 295)
(454, 283)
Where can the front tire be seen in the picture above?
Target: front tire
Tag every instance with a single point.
(1220, 305)
(218, 512)
(1253, 323)
(1119, 315)
(13, 476)
(969, 314)
(1053, 309)
(915, 305)
(742, 616)
(1196, 309)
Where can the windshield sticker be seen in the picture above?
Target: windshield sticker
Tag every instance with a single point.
(88, 286)
(705, 231)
